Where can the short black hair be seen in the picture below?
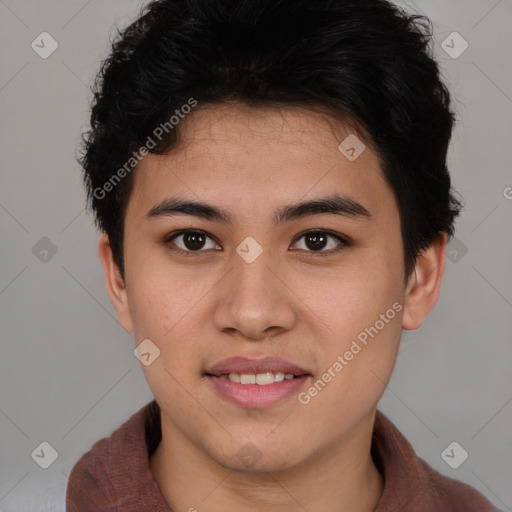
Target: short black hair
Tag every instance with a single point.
(367, 63)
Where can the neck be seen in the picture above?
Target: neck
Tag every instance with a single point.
(342, 478)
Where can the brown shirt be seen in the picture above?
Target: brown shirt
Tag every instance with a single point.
(114, 475)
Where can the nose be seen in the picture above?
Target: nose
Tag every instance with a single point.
(253, 300)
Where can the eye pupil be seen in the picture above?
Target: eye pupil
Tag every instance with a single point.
(316, 241)
(194, 240)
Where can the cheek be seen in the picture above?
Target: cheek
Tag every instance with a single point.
(163, 297)
(357, 362)
(352, 299)
(363, 310)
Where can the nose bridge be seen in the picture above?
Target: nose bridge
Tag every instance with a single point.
(251, 277)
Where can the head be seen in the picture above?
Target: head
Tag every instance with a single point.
(303, 146)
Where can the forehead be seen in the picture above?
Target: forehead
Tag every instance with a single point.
(251, 156)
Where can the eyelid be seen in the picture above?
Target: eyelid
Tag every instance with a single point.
(344, 241)
(171, 236)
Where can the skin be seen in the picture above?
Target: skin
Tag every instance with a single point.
(289, 303)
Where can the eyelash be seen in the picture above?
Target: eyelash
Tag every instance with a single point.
(344, 242)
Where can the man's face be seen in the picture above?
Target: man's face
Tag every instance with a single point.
(205, 299)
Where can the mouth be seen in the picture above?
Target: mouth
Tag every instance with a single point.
(256, 383)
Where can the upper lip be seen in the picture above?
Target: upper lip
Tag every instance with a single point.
(255, 366)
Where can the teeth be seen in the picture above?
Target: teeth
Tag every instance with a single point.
(247, 379)
(264, 378)
(261, 378)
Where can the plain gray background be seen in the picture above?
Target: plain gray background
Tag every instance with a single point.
(68, 373)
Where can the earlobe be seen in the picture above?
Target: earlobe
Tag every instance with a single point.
(424, 283)
(114, 282)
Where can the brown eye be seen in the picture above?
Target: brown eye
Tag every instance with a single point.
(321, 242)
(193, 241)
(316, 241)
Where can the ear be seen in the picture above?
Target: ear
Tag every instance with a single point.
(115, 284)
(424, 283)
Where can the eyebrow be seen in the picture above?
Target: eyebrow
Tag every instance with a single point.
(334, 205)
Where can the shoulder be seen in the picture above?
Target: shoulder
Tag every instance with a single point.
(101, 479)
(452, 495)
(411, 484)
(86, 489)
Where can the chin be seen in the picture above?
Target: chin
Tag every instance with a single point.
(258, 456)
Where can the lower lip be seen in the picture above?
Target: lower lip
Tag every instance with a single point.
(254, 395)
